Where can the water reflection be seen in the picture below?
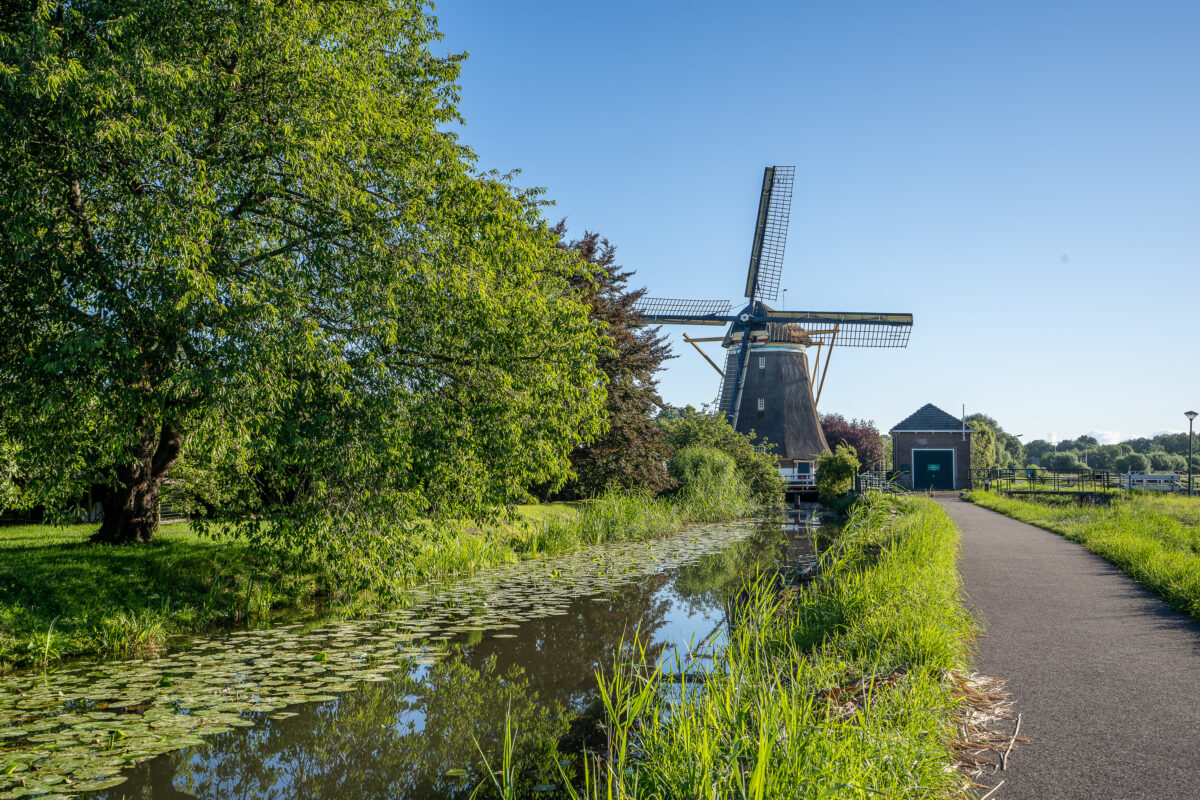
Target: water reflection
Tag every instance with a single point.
(419, 734)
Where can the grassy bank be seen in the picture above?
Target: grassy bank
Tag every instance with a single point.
(834, 690)
(1155, 538)
(61, 597)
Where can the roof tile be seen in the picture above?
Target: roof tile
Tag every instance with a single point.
(930, 418)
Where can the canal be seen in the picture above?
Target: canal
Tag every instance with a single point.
(405, 704)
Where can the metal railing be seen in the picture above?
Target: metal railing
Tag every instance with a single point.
(1024, 481)
(879, 481)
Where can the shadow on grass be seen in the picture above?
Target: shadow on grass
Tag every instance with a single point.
(61, 596)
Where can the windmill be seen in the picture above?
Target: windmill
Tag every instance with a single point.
(766, 385)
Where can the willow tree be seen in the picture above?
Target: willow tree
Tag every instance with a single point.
(242, 230)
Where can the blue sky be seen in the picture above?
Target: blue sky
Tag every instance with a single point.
(1022, 177)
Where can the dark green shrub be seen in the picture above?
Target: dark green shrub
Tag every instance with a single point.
(1062, 462)
(1134, 462)
(835, 473)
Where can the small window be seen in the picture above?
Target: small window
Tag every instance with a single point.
(762, 362)
(761, 404)
(803, 468)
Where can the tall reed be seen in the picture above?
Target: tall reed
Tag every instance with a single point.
(835, 690)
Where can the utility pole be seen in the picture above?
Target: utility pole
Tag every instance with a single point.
(1191, 415)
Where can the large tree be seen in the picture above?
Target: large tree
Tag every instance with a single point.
(859, 434)
(992, 446)
(633, 452)
(242, 230)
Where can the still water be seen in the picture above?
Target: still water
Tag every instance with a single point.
(401, 706)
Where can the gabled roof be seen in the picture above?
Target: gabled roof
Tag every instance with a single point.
(930, 418)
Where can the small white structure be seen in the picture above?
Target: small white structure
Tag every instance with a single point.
(1145, 481)
(799, 475)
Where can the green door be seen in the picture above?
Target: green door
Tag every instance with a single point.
(933, 469)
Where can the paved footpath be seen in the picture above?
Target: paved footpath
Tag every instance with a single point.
(1105, 675)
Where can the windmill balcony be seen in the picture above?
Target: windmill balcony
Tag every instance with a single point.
(799, 476)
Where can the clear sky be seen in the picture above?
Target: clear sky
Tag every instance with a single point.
(1022, 177)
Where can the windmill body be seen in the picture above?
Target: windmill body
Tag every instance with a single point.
(768, 385)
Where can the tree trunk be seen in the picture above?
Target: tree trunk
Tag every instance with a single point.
(131, 508)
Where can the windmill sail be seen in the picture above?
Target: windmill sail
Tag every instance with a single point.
(677, 311)
(767, 384)
(770, 234)
(854, 329)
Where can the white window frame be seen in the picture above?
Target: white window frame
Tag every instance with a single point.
(762, 362)
(762, 404)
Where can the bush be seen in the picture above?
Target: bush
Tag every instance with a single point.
(699, 464)
(1167, 462)
(691, 428)
(1133, 462)
(1061, 462)
(835, 473)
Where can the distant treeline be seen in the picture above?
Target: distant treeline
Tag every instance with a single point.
(992, 447)
(1166, 452)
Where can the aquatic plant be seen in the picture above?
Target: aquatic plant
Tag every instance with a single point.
(75, 730)
(833, 690)
(185, 583)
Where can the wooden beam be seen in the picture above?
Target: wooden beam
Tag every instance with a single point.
(828, 356)
(704, 338)
(816, 369)
(692, 342)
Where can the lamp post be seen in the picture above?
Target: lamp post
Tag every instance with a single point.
(1191, 415)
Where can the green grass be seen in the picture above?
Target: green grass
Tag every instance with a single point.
(61, 597)
(835, 690)
(1153, 537)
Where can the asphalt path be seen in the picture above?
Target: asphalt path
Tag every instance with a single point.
(1105, 675)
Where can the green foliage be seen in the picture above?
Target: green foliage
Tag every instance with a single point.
(1161, 461)
(992, 446)
(880, 628)
(197, 492)
(860, 434)
(1061, 461)
(631, 452)
(694, 464)
(1153, 537)
(1038, 448)
(691, 428)
(836, 472)
(983, 446)
(183, 582)
(1133, 462)
(1166, 452)
(1104, 457)
(246, 232)
(619, 515)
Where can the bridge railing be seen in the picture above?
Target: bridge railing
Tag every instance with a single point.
(1046, 480)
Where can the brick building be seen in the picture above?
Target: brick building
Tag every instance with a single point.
(932, 450)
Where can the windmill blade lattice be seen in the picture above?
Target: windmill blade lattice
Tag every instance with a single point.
(770, 234)
(676, 311)
(854, 329)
